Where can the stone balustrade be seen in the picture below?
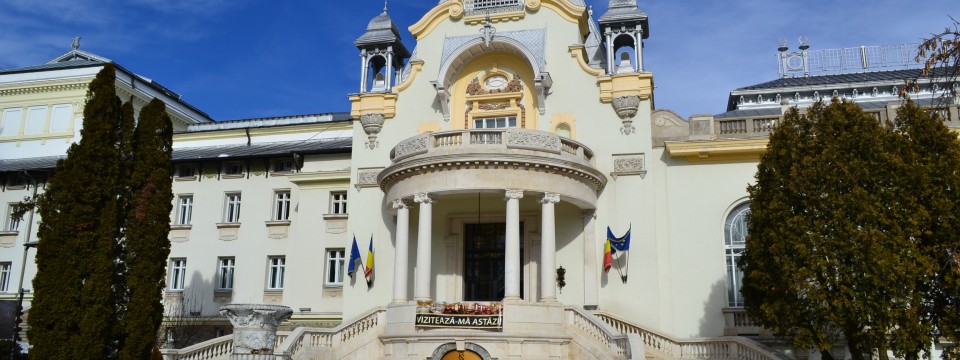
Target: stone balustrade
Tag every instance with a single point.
(493, 140)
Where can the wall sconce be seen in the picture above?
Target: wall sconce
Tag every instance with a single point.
(560, 278)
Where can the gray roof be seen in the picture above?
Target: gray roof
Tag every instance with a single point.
(872, 76)
(762, 112)
(37, 163)
(625, 11)
(271, 121)
(383, 31)
(330, 146)
(69, 64)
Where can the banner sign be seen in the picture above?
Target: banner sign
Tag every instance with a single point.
(460, 321)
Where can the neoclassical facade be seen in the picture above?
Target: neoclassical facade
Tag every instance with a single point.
(480, 173)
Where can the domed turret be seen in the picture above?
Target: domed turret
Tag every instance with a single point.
(382, 54)
(624, 27)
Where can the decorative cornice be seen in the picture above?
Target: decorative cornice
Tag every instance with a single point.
(578, 52)
(321, 179)
(450, 9)
(44, 88)
(415, 67)
(454, 9)
(726, 150)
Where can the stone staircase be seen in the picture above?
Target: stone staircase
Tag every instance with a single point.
(533, 331)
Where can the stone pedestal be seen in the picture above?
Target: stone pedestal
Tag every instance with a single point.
(254, 329)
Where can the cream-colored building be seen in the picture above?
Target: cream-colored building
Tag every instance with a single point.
(497, 151)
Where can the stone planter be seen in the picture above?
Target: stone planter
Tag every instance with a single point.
(626, 108)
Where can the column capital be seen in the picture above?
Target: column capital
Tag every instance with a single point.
(514, 194)
(399, 204)
(550, 198)
(423, 198)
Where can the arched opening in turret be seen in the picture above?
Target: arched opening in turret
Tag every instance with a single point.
(625, 53)
(377, 73)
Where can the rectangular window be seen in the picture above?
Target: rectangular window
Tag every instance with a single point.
(5, 276)
(178, 272)
(184, 209)
(281, 206)
(495, 122)
(234, 168)
(283, 165)
(12, 224)
(335, 264)
(225, 273)
(186, 170)
(275, 272)
(338, 202)
(12, 119)
(231, 212)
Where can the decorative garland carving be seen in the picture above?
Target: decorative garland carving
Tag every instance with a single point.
(533, 140)
(475, 88)
(499, 105)
(629, 164)
(367, 177)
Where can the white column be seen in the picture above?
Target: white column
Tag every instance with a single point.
(638, 44)
(402, 237)
(548, 248)
(363, 71)
(424, 244)
(511, 288)
(611, 67)
(590, 269)
(388, 69)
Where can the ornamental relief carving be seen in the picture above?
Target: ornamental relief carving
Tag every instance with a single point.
(411, 147)
(491, 86)
(629, 164)
(367, 177)
(533, 140)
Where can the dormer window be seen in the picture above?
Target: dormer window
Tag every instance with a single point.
(283, 165)
(233, 169)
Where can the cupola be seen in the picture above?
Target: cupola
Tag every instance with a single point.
(382, 54)
(624, 27)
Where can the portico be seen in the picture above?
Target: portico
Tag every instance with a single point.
(443, 168)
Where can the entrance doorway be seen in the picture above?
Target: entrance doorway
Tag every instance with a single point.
(484, 261)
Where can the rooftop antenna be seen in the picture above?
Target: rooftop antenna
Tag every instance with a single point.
(384, 5)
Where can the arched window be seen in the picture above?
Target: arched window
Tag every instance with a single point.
(563, 129)
(735, 240)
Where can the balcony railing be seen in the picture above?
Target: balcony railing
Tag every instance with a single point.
(745, 127)
(737, 323)
(474, 7)
(492, 140)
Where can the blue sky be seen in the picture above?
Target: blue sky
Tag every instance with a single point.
(243, 59)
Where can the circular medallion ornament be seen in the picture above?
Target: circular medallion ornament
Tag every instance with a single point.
(495, 82)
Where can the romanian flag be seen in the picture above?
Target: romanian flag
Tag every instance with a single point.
(355, 262)
(369, 272)
(614, 244)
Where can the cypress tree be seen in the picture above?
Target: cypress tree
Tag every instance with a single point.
(146, 243)
(74, 308)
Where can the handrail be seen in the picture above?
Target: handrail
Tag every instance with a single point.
(304, 339)
(508, 138)
(615, 341)
(722, 348)
(216, 348)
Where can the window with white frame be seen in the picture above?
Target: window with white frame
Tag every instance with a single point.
(5, 268)
(184, 209)
(178, 273)
(495, 122)
(12, 223)
(231, 209)
(225, 267)
(275, 272)
(281, 205)
(336, 261)
(338, 202)
(735, 241)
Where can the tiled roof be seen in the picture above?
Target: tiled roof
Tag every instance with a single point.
(764, 112)
(340, 145)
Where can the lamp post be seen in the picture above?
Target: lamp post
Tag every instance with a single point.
(27, 244)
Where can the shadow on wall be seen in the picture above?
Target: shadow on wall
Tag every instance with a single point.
(712, 321)
(191, 315)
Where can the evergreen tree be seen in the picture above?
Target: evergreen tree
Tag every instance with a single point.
(148, 224)
(74, 308)
(103, 234)
(853, 230)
